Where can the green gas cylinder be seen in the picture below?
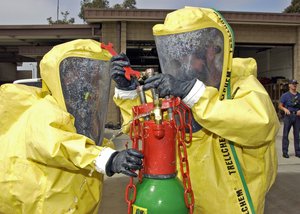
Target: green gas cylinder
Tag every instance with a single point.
(160, 196)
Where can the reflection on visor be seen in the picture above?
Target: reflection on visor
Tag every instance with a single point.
(85, 86)
(197, 54)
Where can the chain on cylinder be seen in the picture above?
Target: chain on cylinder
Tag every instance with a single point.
(182, 138)
(130, 191)
(135, 136)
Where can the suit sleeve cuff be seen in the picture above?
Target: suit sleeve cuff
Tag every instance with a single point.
(103, 158)
(195, 94)
(122, 94)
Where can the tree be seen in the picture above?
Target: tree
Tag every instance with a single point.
(65, 19)
(118, 6)
(293, 8)
(92, 4)
(129, 4)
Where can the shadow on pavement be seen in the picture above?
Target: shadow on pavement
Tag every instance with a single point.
(113, 196)
(284, 196)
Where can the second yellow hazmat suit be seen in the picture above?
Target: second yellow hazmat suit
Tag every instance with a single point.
(232, 158)
(47, 165)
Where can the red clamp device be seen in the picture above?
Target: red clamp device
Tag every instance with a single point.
(128, 70)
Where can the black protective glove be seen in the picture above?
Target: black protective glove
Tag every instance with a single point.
(124, 162)
(117, 72)
(167, 85)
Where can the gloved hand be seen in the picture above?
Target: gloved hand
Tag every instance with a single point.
(124, 162)
(117, 72)
(167, 85)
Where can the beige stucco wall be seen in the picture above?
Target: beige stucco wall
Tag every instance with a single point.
(140, 31)
(264, 34)
(110, 33)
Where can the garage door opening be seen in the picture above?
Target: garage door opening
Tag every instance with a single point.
(273, 61)
(142, 55)
(274, 67)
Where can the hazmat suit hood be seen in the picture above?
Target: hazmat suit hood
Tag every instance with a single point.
(196, 43)
(76, 74)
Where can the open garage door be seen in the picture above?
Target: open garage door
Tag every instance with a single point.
(272, 60)
(142, 55)
(274, 66)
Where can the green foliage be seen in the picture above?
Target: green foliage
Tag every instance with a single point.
(127, 4)
(65, 19)
(293, 8)
(92, 4)
(118, 6)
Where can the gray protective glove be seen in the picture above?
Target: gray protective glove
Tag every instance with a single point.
(124, 162)
(117, 72)
(167, 85)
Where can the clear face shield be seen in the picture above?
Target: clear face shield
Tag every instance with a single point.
(196, 54)
(85, 85)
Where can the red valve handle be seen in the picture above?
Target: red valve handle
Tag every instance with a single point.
(128, 70)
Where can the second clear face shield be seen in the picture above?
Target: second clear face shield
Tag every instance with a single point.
(85, 85)
(196, 54)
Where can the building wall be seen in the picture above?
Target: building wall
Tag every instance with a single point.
(140, 31)
(265, 34)
(111, 33)
(8, 72)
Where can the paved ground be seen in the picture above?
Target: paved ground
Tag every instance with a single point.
(283, 198)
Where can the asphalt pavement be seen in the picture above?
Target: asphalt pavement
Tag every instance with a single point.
(284, 196)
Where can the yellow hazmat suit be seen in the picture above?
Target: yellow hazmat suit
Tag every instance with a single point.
(46, 167)
(232, 159)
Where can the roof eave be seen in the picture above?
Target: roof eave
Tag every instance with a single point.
(97, 15)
